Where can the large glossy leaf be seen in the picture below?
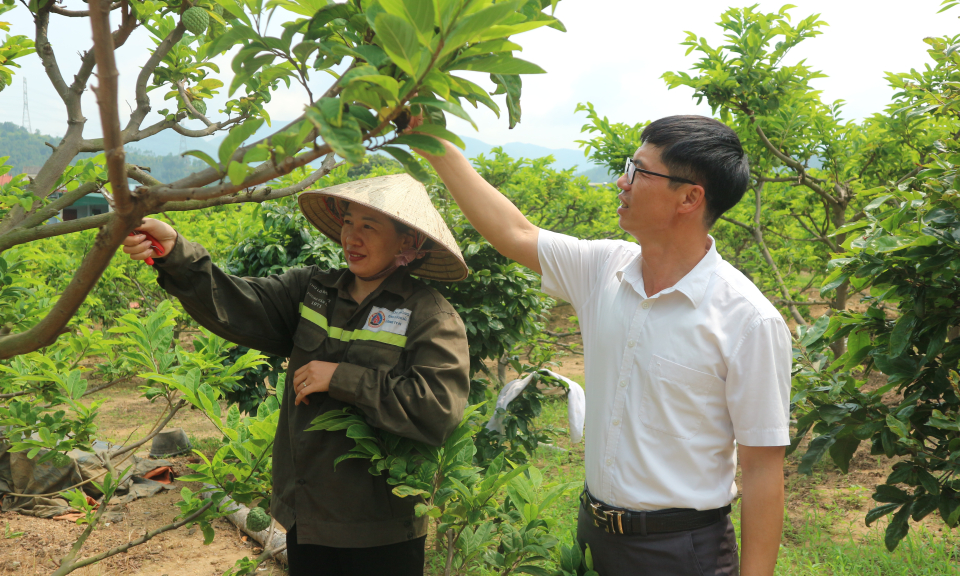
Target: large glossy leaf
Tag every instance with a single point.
(400, 41)
(497, 64)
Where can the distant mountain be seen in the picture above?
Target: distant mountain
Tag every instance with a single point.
(28, 150)
(169, 142)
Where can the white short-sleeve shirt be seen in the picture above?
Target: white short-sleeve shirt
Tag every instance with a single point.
(674, 380)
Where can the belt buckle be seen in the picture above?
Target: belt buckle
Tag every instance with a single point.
(612, 518)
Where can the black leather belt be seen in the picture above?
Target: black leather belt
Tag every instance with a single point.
(622, 521)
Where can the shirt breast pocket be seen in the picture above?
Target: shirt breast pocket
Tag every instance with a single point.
(675, 401)
(375, 355)
(309, 337)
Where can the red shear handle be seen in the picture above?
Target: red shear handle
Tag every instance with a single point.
(154, 243)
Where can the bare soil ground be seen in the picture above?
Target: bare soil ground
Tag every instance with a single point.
(126, 413)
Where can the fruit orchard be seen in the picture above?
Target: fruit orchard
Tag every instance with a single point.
(859, 217)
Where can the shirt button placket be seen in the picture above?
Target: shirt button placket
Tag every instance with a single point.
(614, 430)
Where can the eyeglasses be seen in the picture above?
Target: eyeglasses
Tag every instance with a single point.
(631, 170)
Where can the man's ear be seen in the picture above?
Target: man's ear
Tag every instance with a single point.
(694, 197)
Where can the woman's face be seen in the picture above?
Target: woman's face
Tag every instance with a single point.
(370, 240)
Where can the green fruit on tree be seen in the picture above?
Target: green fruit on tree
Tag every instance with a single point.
(200, 106)
(258, 519)
(196, 19)
(61, 460)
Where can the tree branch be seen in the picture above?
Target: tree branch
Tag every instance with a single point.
(260, 195)
(107, 99)
(156, 430)
(124, 547)
(266, 171)
(758, 236)
(143, 101)
(189, 105)
(77, 13)
(738, 223)
(24, 235)
(90, 270)
(804, 178)
(52, 209)
(801, 302)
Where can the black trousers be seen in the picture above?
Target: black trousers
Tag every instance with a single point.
(707, 551)
(401, 559)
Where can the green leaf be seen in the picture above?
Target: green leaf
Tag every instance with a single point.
(445, 106)
(399, 40)
(346, 140)
(428, 144)
(898, 527)
(496, 64)
(409, 163)
(900, 337)
(898, 427)
(510, 85)
(203, 156)
(236, 138)
(842, 451)
(440, 132)
(888, 493)
(417, 12)
(534, 570)
(815, 451)
(880, 512)
(237, 172)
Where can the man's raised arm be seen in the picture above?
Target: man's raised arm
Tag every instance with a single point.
(490, 212)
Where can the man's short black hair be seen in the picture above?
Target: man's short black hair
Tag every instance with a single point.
(706, 151)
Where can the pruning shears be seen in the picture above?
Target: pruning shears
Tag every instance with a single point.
(154, 243)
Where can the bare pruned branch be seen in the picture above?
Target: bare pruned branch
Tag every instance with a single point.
(264, 172)
(143, 101)
(76, 13)
(107, 75)
(260, 195)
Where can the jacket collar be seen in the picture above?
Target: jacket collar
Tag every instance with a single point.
(693, 285)
(399, 283)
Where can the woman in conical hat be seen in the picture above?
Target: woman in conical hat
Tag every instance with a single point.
(370, 336)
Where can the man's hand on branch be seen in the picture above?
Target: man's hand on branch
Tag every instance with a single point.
(139, 247)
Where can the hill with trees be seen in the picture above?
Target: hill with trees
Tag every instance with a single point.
(31, 150)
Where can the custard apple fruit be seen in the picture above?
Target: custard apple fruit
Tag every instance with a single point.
(60, 460)
(196, 19)
(200, 106)
(258, 519)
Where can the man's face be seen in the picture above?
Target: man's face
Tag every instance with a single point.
(649, 205)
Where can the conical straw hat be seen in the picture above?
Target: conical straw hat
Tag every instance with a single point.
(405, 200)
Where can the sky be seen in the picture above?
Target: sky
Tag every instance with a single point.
(613, 55)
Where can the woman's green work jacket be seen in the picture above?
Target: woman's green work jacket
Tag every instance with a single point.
(403, 361)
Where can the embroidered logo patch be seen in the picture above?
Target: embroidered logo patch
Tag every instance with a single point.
(376, 319)
(392, 321)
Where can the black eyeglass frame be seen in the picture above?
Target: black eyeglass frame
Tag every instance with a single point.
(631, 161)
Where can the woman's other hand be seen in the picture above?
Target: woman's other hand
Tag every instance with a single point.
(139, 247)
(312, 377)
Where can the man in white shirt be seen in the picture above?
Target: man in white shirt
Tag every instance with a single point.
(687, 363)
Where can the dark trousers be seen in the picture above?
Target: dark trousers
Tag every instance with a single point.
(707, 551)
(401, 559)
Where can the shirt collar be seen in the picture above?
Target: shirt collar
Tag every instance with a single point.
(693, 285)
